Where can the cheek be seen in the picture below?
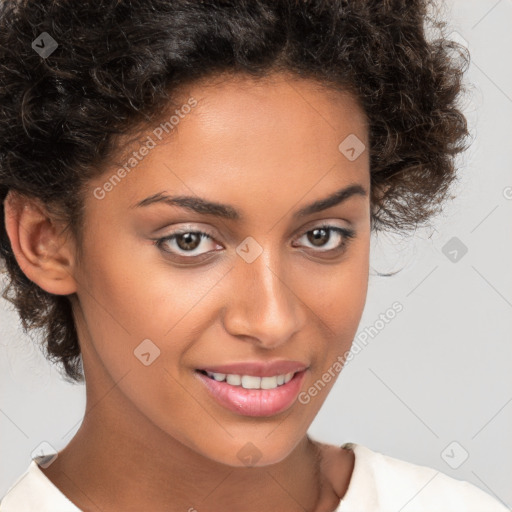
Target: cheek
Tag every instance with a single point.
(138, 327)
(337, 297)
(129, 299)
(337, 293)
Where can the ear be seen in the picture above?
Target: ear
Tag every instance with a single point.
(43, 252)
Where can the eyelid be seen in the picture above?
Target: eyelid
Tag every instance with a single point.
(319, 223)
(191, 228)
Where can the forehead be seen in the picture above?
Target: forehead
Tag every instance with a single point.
(258, 133)
(228, 102)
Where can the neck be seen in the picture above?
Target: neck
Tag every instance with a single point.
(119, 461)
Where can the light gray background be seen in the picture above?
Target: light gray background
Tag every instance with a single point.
(438, 373)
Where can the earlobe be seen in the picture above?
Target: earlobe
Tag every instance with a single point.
(44, 255)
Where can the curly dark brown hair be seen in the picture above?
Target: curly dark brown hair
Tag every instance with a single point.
(119, 63)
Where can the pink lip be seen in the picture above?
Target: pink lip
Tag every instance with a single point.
(258, 369)
(254, 402)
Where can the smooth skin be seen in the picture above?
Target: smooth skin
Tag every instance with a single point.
(152, 437)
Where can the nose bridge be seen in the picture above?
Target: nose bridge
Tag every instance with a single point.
(267, 283)
(265, 307)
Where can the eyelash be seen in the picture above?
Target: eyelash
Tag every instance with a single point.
(346, 235)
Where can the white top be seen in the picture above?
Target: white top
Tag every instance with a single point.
(379, 483)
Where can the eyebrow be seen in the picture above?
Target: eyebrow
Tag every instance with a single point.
(225, 211)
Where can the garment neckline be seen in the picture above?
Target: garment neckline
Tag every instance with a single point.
(56, 494)
(349, 491)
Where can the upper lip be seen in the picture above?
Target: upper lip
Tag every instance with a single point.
(258, 368)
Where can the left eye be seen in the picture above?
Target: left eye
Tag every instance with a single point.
(318, 235)
(188, 241)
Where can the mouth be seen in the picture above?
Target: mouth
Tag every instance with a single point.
(250, 381)
(251, 395)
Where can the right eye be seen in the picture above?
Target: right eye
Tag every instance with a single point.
(184, 243)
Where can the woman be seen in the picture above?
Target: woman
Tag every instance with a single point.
(189, 190)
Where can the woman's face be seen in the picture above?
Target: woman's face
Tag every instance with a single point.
(264, 284)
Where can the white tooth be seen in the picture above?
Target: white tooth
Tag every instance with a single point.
(250, 382)
(234, 380)
(268, 382)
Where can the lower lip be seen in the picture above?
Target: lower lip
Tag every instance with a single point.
(254, 402)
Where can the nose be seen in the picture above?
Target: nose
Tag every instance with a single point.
(264, 308)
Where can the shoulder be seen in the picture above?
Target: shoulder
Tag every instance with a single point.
(34, 492)
(384, 483)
